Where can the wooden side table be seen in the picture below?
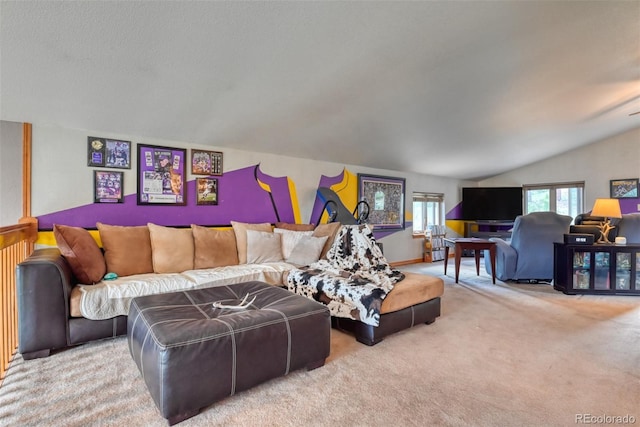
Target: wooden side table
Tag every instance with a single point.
(474, 244)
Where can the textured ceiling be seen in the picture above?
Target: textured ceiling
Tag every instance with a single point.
(458, 89)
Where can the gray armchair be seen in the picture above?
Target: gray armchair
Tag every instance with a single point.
(529, 255)
(629, 227)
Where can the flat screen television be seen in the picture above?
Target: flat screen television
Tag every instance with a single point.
(493, 204)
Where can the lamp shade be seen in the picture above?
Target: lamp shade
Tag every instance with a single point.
(607, 208)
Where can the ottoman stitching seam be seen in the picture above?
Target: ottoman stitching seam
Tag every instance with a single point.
(223, 334)
(286, 320)
(196, 305)
(233, 358)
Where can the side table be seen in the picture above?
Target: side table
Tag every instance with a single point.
(470, 243)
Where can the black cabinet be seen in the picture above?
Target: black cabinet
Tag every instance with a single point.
(596, 269)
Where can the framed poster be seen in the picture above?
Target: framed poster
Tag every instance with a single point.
(385, 197)
(207, 191)
(108, 153)
(107, 186)
(206, 162)
(624, 188)
(161, 175)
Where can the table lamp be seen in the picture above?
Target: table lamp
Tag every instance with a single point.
(607, 209)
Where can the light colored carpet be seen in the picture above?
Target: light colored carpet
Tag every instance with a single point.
(500, 355)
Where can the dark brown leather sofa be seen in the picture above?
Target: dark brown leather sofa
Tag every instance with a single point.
(44, 282)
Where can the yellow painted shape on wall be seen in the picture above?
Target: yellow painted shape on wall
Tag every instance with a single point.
(294, 200)
(47, 238)
(456, 225)
(264, 186)
(347, 191)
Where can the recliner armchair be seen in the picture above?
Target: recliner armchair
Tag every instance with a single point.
(529, 255)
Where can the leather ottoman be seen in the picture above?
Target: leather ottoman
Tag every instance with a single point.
(192, 354)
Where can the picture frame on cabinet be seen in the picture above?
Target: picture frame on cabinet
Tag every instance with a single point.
(624, 188)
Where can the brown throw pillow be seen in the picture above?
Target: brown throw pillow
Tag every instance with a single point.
(214, 248)
(127, 250)
(240, 229)
(171, 249)
(330, 230)
(295, 227)
(82, 252)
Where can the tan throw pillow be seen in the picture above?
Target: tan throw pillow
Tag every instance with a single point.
(82, 252)
(171, 249)
(263, 246)
(240, 229)
(290, 239)
(295, 227)
(127, 250)
(307, 251)
(330, 230)
(214, 248)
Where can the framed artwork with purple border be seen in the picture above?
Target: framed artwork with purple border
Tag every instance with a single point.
(385, 197)
(161, 175)
(108, 186)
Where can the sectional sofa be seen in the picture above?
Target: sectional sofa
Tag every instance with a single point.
(78, 292)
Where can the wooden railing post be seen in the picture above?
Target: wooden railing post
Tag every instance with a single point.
(16, 244)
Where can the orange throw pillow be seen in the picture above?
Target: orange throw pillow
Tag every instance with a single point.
(127, 250)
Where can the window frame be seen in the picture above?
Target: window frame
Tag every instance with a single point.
(553, 188)
(426, 197)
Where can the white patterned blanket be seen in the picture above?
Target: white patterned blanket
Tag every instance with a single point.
(353, 280)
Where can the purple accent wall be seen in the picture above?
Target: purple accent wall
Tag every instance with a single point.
(240, 198)
(454, 213)
(628, 206)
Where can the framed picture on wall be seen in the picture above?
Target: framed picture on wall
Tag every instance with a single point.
(161, 175)
(108, 153)
(624, 188)
(206, 162)
(207, 191)
(385, 197)
(108, 186)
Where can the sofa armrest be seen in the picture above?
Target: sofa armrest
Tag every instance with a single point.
(44, 281)
(506, 260)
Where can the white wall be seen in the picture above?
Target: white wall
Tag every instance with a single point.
(595, 164)
(61, 179)
(10, 172)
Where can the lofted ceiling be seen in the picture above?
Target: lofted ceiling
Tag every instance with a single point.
(460, 89)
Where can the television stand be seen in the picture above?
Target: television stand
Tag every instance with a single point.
(488, 229)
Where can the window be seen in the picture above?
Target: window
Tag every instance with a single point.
(428, 209)
(563, 198)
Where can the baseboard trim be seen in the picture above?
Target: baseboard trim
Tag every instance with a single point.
(407, 262)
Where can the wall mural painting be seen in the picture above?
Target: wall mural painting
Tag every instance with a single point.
(344, 185)
(245, 195)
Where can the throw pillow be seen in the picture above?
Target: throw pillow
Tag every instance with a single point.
(290, 239)
(82, 252)
(330, 230)
(127, 250)
(171, 249)
(214, 248)
(307, 251)
(240, 229)
(263, 246)
(295, 227)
